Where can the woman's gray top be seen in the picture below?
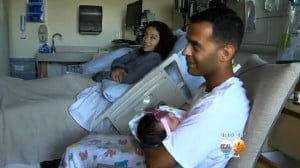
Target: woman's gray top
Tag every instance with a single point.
(136, 63)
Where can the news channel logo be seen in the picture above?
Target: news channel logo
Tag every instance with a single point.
(238, 146)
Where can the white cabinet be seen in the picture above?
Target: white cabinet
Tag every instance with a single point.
(60, 63)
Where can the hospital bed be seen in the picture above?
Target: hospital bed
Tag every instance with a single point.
(35, 123)
(163, 85)
(36, 126)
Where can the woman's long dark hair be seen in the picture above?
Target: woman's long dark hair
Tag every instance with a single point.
(166, 38)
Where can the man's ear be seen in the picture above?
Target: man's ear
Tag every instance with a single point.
(227, 53)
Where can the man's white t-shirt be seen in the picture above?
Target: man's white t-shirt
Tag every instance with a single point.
(214, 116)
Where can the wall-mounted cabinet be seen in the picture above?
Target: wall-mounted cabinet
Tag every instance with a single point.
(35, 10)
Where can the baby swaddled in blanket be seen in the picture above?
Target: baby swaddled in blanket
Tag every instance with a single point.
(98, 150)
(155, 124)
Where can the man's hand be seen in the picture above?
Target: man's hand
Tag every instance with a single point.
(118, 74)
(159, 157)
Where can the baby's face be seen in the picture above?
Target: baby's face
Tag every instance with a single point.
(173, 121)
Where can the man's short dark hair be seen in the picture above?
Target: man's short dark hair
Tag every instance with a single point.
(228, 28)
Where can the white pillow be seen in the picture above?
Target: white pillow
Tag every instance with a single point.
(180, 44)
(193, 82)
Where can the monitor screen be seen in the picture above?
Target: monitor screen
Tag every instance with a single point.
(134, 14)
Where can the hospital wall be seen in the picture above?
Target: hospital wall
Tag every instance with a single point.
(265, 39)
(4, 66)
(62, 17)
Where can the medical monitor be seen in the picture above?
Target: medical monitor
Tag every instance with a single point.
(134, 14)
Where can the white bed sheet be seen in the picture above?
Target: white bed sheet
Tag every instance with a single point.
(34, 122)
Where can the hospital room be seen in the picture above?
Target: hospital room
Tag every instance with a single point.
(149, 83)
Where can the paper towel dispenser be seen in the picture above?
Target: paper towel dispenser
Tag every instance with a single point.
(90, 19)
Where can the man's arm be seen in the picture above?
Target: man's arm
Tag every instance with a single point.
(159, 157)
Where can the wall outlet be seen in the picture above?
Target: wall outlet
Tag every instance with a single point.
(23, 35)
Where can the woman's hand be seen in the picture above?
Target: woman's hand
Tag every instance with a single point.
(118, 74)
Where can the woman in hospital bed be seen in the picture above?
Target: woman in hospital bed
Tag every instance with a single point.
(158, 41)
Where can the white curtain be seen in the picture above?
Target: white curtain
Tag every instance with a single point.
(4, 61)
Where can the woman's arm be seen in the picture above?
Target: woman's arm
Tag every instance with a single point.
(143, 66)
(122, 61)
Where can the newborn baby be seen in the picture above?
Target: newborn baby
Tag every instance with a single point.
(154, 124)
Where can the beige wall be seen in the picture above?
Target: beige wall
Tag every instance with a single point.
(64, 20)
(162, 9)
(269, 28)
(4, 65)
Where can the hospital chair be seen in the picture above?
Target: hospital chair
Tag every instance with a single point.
(268, 86)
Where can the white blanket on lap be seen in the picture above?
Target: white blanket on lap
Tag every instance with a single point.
(92, 101)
